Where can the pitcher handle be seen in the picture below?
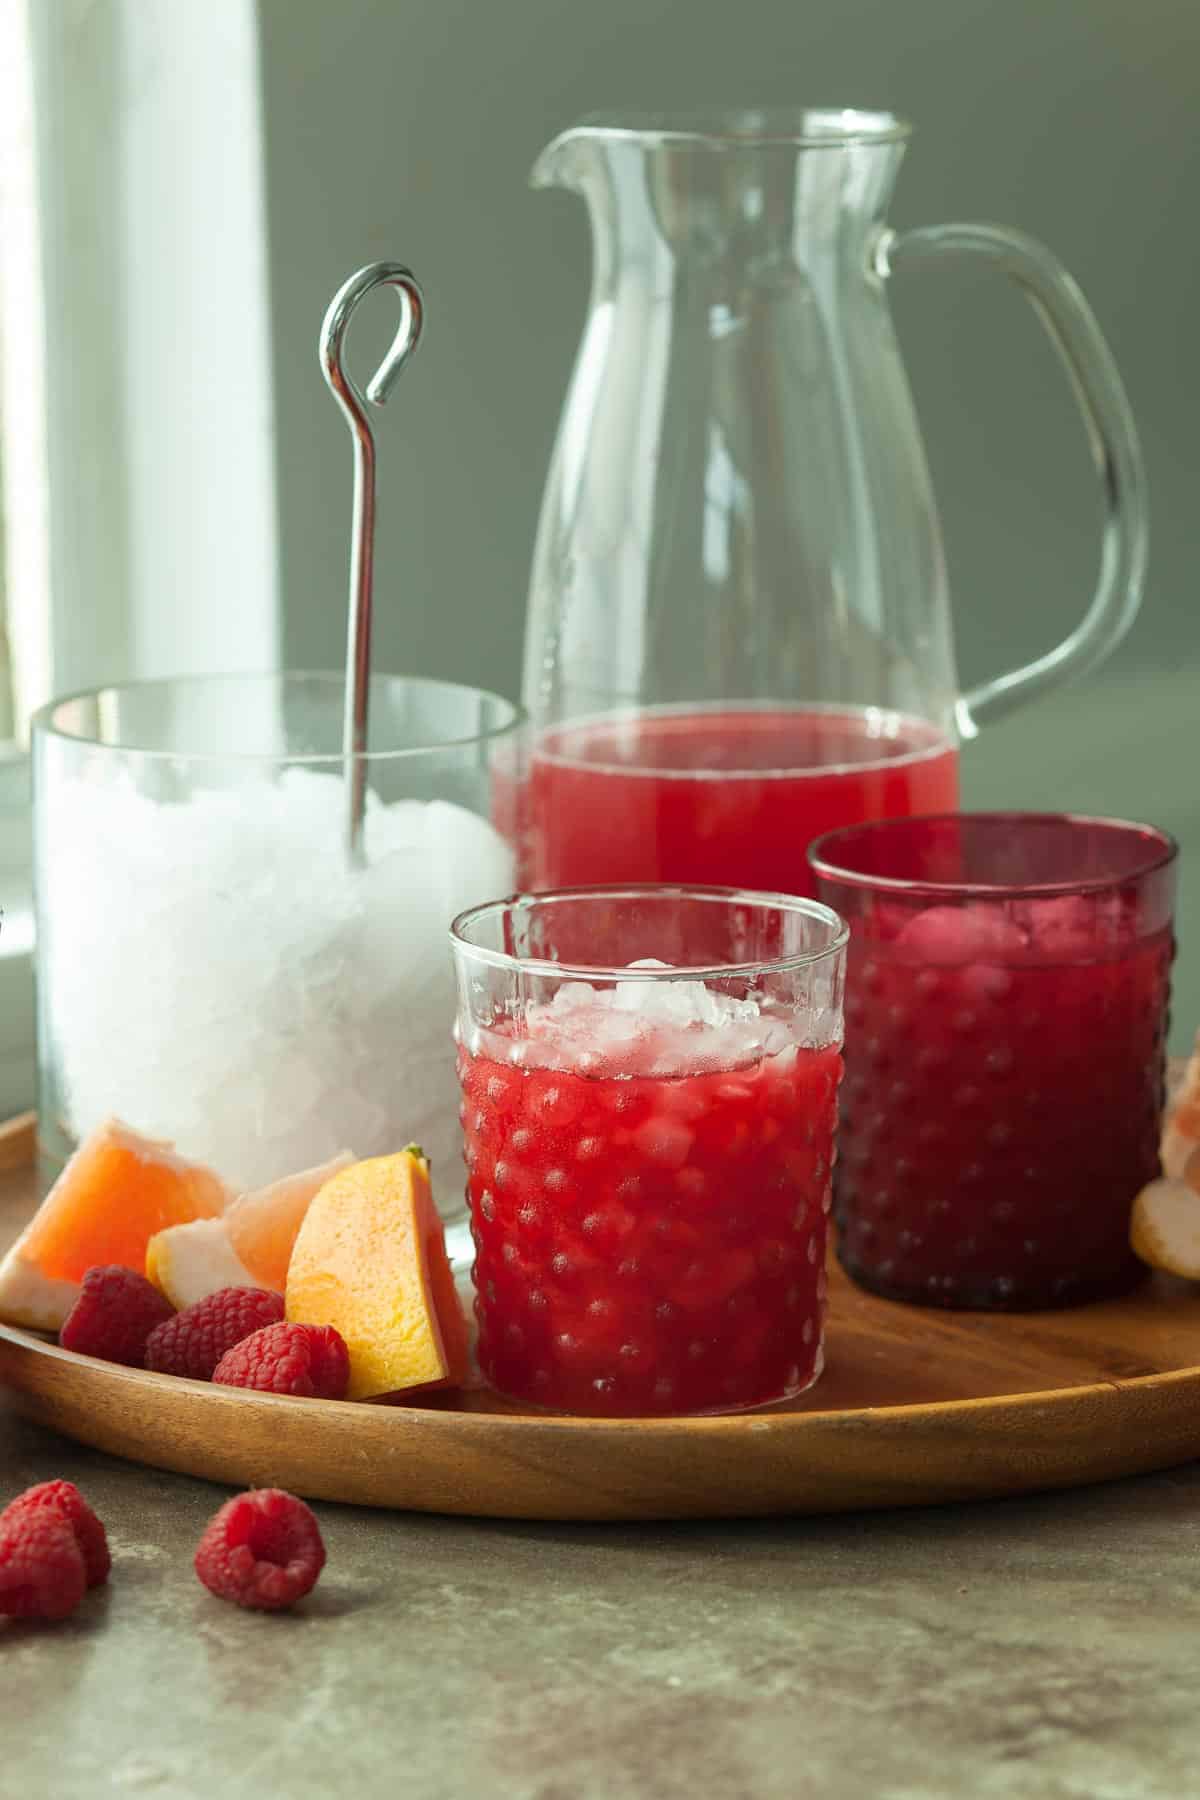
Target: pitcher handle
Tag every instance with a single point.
(1112, 437)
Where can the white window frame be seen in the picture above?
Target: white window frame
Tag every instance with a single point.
(141, 510)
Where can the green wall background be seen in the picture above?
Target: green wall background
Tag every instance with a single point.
(406, 128)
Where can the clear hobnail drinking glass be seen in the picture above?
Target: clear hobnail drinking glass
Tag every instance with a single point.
(1006, 1016)
(649, 1083)
(212, 967)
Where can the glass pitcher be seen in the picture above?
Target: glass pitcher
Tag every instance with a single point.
(739, 633)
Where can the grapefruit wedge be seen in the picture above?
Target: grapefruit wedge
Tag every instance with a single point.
(370, 1259)
(1165, 1228)
(263, 1224)
(250, 1245)
(117, 1190)
(189, 1262)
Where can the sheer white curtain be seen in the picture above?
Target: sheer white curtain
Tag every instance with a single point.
(136, 433)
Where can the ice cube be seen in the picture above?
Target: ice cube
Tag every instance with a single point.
(571, 996)
(960, 934)
(1075, 927)
(683, 1003)
(668, 1002)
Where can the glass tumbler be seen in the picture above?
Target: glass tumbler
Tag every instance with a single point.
(212, 967)
(649, 1082)
(1006, 1020)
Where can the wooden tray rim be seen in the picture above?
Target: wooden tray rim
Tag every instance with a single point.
(719, 1424)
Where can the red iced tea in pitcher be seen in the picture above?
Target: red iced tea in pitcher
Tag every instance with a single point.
(730, 797)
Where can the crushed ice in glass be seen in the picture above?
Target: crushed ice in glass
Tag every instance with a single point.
(220, 978)
(676, 1026)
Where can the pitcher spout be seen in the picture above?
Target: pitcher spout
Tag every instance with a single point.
(564, 161)
(758, 185)
(568, 155)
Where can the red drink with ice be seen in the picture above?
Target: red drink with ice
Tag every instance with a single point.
(651, 1244)
(725, 796)
(1005, 1055)
(649, 1159)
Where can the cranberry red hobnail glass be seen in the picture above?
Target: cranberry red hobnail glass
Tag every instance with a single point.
(1007, 988)
(649, 1147)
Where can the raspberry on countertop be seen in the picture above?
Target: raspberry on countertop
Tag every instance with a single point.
(42, 1573)
(262, 1550)
(65, 1499)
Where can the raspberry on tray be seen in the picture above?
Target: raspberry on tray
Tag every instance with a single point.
(192, 1342)
(115, 1313)
(308, 1361)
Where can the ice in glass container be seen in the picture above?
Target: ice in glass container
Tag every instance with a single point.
(649, 1086)
(213, 967)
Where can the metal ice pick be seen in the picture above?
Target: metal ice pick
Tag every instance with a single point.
(362, 540)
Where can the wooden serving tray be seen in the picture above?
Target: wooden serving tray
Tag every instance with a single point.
(914, 1407)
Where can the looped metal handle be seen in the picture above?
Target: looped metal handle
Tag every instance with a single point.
(1112, 437)
(353, 404)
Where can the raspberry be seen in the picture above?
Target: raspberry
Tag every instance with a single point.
(41, 1569)
(65, 1499)
(308, 1360)
(262, 1550)
(194, 1341)
(115, 1313)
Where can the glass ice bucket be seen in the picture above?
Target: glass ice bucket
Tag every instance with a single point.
(213, 968)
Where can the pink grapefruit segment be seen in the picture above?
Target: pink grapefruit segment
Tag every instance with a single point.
(264, 1223)
(115, 1193)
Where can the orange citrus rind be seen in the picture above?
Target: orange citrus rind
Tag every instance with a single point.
(370, 1260)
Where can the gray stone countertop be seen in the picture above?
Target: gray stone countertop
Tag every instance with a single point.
(1035, 1648)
